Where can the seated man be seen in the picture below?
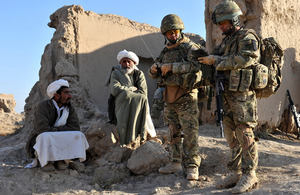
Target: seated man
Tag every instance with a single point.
(56, 136)
(128, 86)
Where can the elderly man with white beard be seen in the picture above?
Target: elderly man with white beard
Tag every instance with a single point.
(128, 86)
(56, 138)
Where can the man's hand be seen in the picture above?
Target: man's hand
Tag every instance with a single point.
(165, 68)
(153, 69)
(133, 88)
(208, 60)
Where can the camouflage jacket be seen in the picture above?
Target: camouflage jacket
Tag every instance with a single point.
(237, 54)
(183, 59)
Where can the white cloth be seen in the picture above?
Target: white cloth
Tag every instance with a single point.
(61, 120)
(128, 54)
(54, 146)
(149, 124)
(54, 86)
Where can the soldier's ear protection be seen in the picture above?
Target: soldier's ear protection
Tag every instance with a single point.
(213, 18)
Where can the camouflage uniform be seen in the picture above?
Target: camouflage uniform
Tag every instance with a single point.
(158, 104)
(235, 56)
(181, 111)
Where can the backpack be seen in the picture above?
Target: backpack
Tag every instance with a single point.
(271, 57)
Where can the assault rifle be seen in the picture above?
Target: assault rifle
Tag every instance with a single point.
(293, 109)
(219, 77)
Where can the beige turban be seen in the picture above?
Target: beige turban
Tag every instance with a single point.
(54, 86)
(128, 54)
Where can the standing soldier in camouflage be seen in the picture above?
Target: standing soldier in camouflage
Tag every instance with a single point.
(178, 70)
(235, 57)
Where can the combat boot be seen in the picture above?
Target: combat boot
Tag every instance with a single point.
(192, 173)
(247, 182)
(172, 167)
(229, 181)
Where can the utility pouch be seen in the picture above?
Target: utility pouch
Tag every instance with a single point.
(260, 79)
(173, 80)
(234, 80)
(189, 80)
(246, 79)
(181, 67)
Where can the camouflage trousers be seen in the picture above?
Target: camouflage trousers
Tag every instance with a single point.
(182, 118)
(240, 118)
(158, 103)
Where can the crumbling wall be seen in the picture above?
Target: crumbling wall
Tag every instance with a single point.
(10, 121)
(83, 50)
(278, 19)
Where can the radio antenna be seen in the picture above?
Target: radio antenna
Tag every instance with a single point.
(142, 39)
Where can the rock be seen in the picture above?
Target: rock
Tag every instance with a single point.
(100, 137)
(78, 166)
(148, 158)
(7, 102)
(110, 174)
(118, 154)
(74, 173)
(101, 162)
(10, 120)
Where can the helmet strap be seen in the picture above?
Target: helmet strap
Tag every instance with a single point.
(230, 31)
(174, 41)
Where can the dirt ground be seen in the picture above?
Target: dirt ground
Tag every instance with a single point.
(278, 171)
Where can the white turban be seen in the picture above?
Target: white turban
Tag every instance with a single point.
(128, 54)
(54, 86)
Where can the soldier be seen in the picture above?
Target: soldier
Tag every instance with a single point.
(235, 57)
(178, 70)
(157, 107)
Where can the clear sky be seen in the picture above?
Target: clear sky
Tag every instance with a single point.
(25, 33)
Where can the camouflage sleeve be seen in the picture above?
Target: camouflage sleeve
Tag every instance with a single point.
(195, 65)
(248, 53)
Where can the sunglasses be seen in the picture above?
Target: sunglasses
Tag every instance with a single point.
(171, 32)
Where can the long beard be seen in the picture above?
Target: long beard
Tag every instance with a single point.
(127, 70)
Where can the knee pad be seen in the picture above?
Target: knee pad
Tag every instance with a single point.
(175, 134)
(245, 136)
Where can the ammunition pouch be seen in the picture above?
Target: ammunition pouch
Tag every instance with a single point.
(183, 75)
(172, 80)
(207, 74)
(181, 67)
(240, 80)
(260, 76)
(191, 80)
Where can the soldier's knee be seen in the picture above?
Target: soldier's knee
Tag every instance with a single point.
(175, 134)
(245, 136)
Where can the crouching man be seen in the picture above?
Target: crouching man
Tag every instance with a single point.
(56, 137)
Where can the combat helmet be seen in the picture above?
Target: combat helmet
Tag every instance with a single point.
(170, 22)
(227, 10)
